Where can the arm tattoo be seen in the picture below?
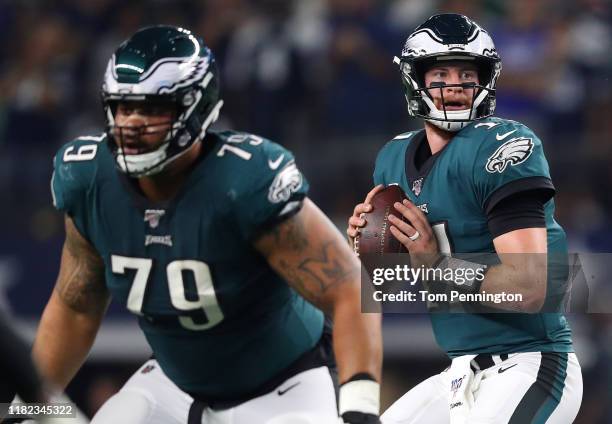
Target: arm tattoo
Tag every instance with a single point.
(292, 232)
(324, 270)
(313, 264)
(81, 280)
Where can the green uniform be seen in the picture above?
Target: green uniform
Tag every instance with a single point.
(483, 163)
(220, 321)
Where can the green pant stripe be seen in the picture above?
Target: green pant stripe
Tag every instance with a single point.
(544, 395)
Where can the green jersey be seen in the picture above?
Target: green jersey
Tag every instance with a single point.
(483, 163)
(219, 320)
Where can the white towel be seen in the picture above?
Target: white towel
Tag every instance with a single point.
(460, 396)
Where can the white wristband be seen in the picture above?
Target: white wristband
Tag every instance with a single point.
(360, 396)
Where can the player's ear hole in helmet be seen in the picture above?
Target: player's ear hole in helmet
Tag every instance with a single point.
(164, 65)
(447, 38)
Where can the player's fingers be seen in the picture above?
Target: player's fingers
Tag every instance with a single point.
(418, 213)
(401, 237)
(352, 232)
(404, 227)
(361, 208)
(372, 192)
(356, 221)
(422, 225)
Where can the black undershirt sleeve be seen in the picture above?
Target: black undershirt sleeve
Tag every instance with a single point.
(524, 209)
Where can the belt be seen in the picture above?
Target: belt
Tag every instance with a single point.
(483, 361)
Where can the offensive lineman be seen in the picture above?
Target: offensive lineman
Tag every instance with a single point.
(210, 239)
(485, 186)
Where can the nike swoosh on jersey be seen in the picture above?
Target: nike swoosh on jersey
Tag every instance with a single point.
(500, 370)
(273, 164)
(501, 137)
(282, 392)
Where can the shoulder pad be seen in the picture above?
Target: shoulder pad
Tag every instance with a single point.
(499, 129)
(391, 157)
(507, 152)
(260, 178)
(397, 141)
(75, 165)
(254, 156)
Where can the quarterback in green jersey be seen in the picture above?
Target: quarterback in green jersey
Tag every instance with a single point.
(209, 238)
(478, 184)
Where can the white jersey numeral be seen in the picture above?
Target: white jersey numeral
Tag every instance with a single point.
(241, 138)
(85, 152)
(243, 154)
(237, 139)
(207, 298)
(489, 125)
(143, 268)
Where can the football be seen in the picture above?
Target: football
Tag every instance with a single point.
(376, 236)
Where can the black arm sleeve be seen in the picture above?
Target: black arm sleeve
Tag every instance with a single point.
(524, 209)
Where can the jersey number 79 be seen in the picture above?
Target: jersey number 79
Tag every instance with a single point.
(207, 299)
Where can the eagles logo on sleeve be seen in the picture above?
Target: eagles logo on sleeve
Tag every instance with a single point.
(287, 181)
(512, 152)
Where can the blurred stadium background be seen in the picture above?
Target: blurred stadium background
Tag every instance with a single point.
(316, 76)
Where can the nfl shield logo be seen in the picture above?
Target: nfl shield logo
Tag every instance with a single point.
(416, 186)
(152, 216)
(456, 385)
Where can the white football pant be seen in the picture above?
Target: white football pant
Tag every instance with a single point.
(525, 388)
(149, 397)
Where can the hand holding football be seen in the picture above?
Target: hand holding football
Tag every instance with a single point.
(376, 237)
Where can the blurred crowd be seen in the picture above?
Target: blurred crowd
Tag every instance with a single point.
(316, 76)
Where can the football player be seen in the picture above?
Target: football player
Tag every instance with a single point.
(210, 239)
(477, 184)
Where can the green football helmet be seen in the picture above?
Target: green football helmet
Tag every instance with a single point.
(162, 64)
(443, 38)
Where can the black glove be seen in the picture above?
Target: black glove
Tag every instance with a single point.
(354, 417)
